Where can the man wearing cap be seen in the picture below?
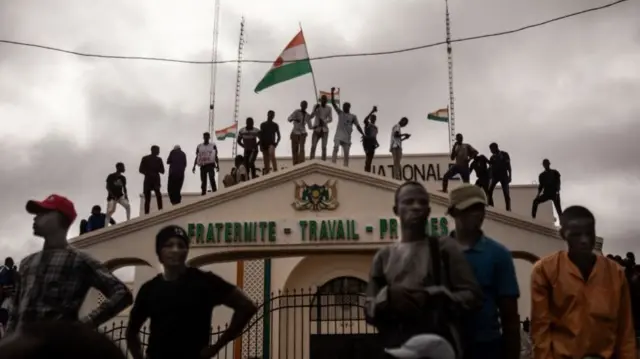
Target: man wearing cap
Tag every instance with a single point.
(420, 284)
(179, 304)
(493, 331)
(424, 346)
(54, 282)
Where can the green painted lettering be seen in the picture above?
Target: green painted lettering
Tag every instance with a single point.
(393, 229)
(272, 231)
(237, 232)
(263, 230)
(340, 231)
(324, 231)
(303, 229)
(228, 232)
(432, 227)
(313, 230)
(210, 233)
(200, 233)
(384, 228)
(354, 233)
(444, 226)
(250, 232)
(191, 230)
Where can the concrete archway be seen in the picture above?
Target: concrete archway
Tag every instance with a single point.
(529, 257)
(117, 263)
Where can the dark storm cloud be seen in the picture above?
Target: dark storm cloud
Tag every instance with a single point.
(555, 91)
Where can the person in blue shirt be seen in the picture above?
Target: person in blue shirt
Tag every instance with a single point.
(97, 219)
(494, 331)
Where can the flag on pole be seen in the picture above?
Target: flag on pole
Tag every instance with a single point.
(441, 115)
(227, 132)
(336, 96)
(292, 62)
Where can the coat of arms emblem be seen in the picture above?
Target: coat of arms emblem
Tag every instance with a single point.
(315, 197)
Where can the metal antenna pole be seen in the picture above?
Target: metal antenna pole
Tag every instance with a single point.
(452, 113)
(214, 69)
(236, 111)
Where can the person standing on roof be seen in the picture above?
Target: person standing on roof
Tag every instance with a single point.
(207, 159)
(177, 161)
(117, 193)
(346, 121)
(151, 167)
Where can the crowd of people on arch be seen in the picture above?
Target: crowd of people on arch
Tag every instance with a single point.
(265, 139)
(453, 297)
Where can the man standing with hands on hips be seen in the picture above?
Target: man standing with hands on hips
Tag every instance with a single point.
(179, 304)
(207, 159)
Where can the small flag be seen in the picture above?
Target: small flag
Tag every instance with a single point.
(441, 115)
(336, 96)
(292, 62)
(227, 132)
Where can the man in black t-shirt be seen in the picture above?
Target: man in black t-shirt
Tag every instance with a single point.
(117, 193)
(500, 169)
(480, 165)
(269, 139)
(177, 161)
(548, 188)
(179, 304)
(248, 138)
(151, 167)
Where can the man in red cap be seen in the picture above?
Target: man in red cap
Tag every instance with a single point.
(53, 282)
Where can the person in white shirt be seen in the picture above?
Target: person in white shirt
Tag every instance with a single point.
(323, 116)
(346, 121)
(396, 146)
(300, 119)
(207, 159)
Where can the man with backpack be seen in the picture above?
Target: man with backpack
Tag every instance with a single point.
(421, 284)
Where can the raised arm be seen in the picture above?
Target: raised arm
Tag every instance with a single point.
(540, 315)
(333, 100)
(138, 315)
(118, 297)
(243, 310)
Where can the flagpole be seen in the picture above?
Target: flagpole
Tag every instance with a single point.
(449, 126)
(313, 75)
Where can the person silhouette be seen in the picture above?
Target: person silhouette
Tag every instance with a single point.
(500, 170)
(177, 161)
(117, 193)
(346, 121)
(207, 159)
(151, 167)
(269, 140)
(248, 138)
(548, 188)
(301, 120)
(461, 153)
(370, 138)
(480, 165)
(397, 137)
(323, 116)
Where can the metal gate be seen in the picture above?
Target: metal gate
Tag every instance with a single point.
(298, 324)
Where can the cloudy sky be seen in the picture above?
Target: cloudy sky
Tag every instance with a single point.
(567, 91)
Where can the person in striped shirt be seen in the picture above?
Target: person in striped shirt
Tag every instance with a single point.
(248, 138)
